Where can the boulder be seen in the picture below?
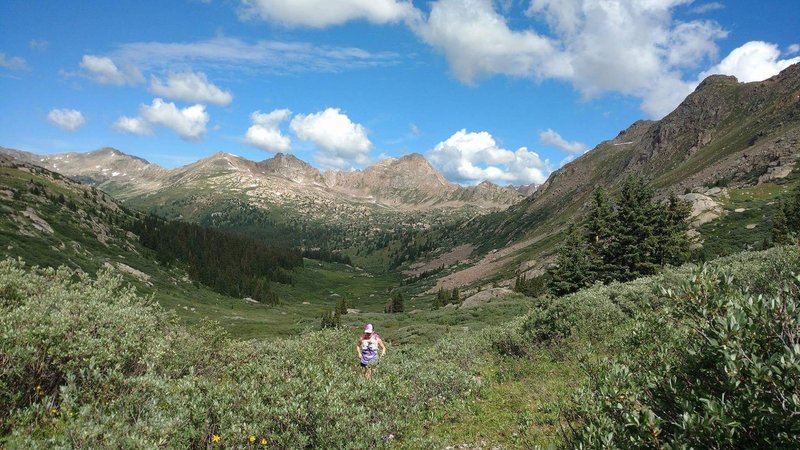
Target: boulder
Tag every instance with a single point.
(704, 209)
(484, 297)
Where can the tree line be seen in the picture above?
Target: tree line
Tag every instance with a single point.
(227, 263)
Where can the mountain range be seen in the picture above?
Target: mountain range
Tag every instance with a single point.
(408, 182)
(723, 139)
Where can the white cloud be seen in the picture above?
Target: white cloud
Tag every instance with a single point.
(794, 48)
(189, 123)
(103, 70)
(477, 42)
(468, 157)
(343, 143)
(230, 54)
(753, 61)
(707, 7)
(323, 13)
(265, 132)
(190, 87)
(133, 125)
(67, 119)
(632, 47)
(551, 137)
(12, 62)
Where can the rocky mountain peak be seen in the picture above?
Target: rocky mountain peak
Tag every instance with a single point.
(290, 167)
(716, 80)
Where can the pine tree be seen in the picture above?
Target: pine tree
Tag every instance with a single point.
(671, 228)
(341, 306)
(455, 297)
(330, 319)
(576, 264)
(441, 299)
(632, 251)
(780, 228)
(600, 221)
(793, 211)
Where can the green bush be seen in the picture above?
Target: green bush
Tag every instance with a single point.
(718, 367)
(89, 363)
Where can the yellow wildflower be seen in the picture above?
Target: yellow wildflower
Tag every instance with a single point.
(263, 441)
(215, 438)
(252, 439)
(53, 410)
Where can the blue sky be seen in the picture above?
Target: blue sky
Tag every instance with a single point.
(504, 90)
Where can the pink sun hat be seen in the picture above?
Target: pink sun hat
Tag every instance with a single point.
(368, 328)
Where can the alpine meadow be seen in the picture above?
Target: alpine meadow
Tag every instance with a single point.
(341, 224)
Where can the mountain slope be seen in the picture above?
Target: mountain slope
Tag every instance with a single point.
(725, 133)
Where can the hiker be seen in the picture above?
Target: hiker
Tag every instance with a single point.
(367, 349)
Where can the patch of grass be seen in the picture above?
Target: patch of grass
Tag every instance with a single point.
(518, 406)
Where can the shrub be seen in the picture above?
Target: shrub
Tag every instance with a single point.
(89, 363)
(719, 368)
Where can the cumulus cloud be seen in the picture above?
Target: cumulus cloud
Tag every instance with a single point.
(323, 13)
(753, 61)
(12, 62)
(103, 70)
(265, 133)
(133, 125)
(468, 157)
(551, 137)
(190, 87)
(794, 48)
(631, 47)
(477, 42)
(343, 143)
(67, 119)
(189, 123)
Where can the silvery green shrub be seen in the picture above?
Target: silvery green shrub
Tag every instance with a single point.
(717, 367)
(90, 363)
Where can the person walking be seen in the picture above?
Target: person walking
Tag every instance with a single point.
(368, 344)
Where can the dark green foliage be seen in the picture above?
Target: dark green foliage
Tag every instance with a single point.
(441, 298)
(672, 242)
(229, 264)
(395, 303)
(327, 256)
(793, 211)
(330, 319)
(780, 227)
(535, 287)
(576, 264)
(342, 305)
(632, 247)
(635, 236)
(455, 297)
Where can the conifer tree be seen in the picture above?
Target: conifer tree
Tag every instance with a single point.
(792, 211)
(671, 227)
(455, 297)
(632, 250)
(780, 228)
(576, 264)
